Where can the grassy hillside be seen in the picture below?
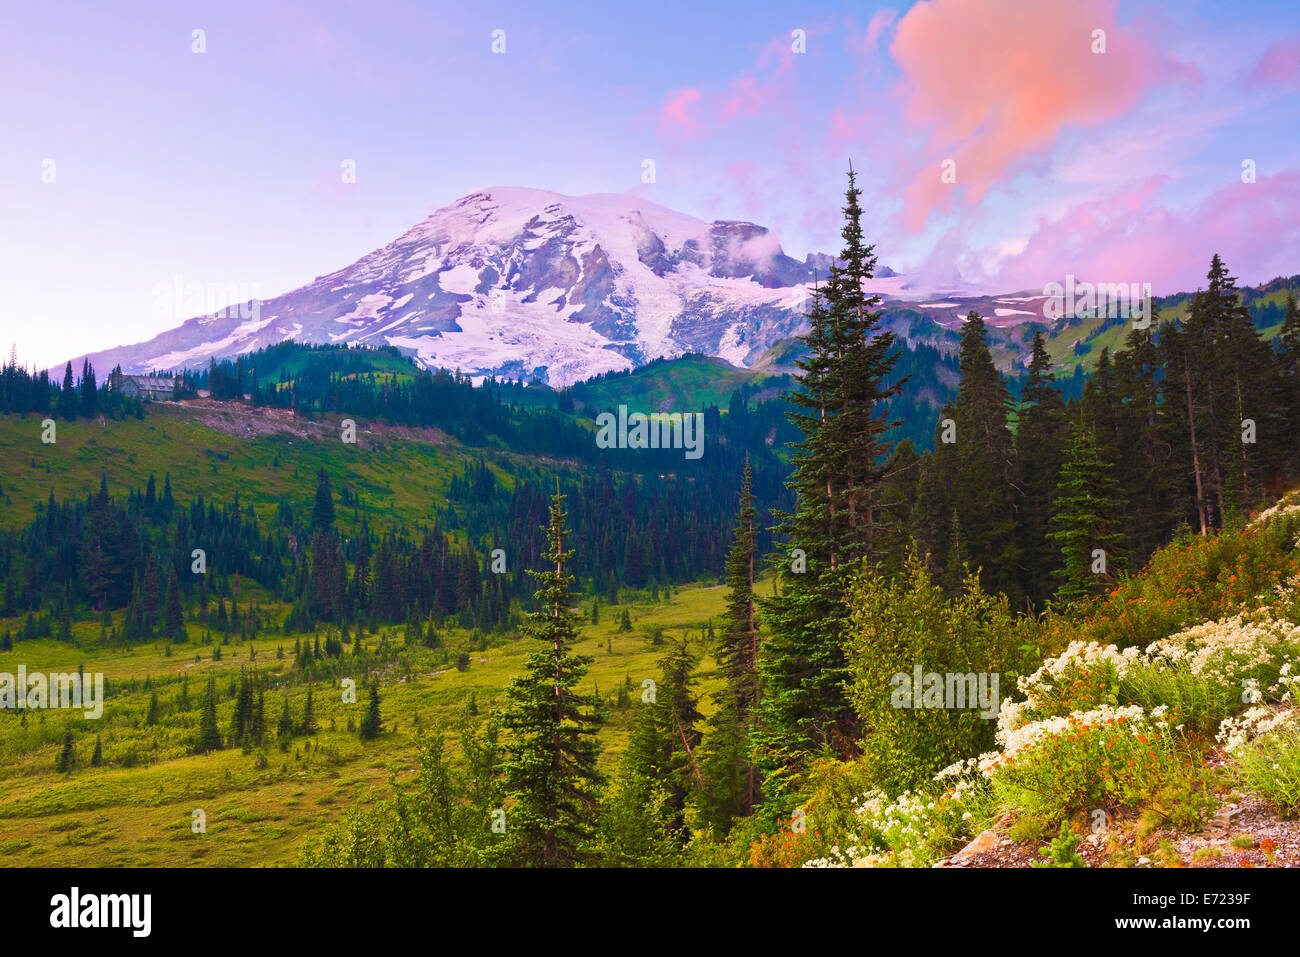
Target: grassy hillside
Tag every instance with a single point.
(219, 449)
(136, 808)
(690, 382)
(1155, 725)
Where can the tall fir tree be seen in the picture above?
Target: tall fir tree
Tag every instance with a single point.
(209, 738)
(1041, 431)
(1086, 519)
(841, 407)
(322, 514)
(732, 775)
(984, 459)
(173, 615)
(550, 764)
(372, 722)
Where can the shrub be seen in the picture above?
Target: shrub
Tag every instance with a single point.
(897, 625)
(1264, 747)
(1106, 758)
(1063, 851)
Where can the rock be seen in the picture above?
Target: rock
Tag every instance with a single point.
(985, 841)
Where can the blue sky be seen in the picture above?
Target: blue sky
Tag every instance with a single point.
(224, 166)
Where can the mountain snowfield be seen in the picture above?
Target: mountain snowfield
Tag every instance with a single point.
(517, 282)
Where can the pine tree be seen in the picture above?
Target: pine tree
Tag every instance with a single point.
(1289, 373)
(209, 734)
(840, 407)
(89, 391)
(679, 710)
(151, 717)
(1039, 450)
(1143, 446)
(984, 460)
(68, 403)
(371, 723)
(173, 617)
(97, 758)
(67, 759)
(322, 515)
(257, 727)
(284, 729)
(550, 765)
(732, 776)
(1086, 519)
(308, 725)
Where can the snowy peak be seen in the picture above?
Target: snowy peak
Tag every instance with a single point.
(527, 282)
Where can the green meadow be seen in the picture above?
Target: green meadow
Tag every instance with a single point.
(137, 808)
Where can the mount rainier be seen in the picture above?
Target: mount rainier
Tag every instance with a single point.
(518, 282)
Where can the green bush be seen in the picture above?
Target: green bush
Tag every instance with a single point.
(898, 625)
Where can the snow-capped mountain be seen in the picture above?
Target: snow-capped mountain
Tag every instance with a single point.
(513, 281)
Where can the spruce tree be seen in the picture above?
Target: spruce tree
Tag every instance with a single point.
(983, 454)
(550, 764)
(1288, 360)
(308, 725)
(732, 776)
(1086, 519)
(840, 404)
(284, 728)
(371, 723)
(679, 711)
(209, 734)
(322, 515)
(173, 617)
(67, 759)
(1041, 432)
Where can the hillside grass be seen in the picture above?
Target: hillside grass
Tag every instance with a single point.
(119, 815)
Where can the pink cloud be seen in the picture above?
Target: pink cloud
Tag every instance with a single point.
(757, 92)
(1127, 237)
(1279, 64)
(996, 82)
(675, 117)
(880, 21)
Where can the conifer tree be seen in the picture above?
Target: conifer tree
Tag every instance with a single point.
(67, 755)
(1289, 372)
(322, 515)
(209, 734)
(550, 765)
(732, 776)
(679, 711)
(68, 403)
(371, 722)
(173, 617)
(1086, 519)
(984, 459)
(284, 729)
(1143, 445)
(97, 758)
(1041, 432)
(308, 725)
(841, 409)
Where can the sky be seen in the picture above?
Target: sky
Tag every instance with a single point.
(1002, 144)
